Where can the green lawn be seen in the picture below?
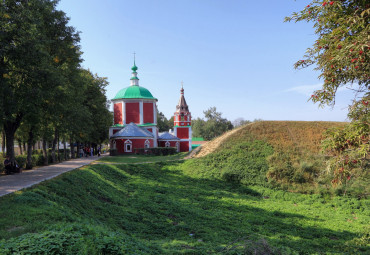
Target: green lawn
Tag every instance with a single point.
(160, 209)
(128, 159)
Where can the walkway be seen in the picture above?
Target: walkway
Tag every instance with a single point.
(14, 182)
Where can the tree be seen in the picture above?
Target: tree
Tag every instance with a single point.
(341, 54)
(35, 44)
(163, 123)
(240, 122)
(213, 126)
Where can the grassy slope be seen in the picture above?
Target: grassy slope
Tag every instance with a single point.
(159, 208)
(293, 162)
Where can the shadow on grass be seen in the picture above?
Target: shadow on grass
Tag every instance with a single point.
(158, 204)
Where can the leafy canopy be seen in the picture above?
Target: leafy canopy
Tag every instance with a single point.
(341, 54)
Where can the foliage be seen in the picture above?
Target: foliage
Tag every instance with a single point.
(163, 123)
(341, 54)
(128, 159)
(240, 122)
(37, 159)
(244, 162)
(213, 126)
(295, 164)
(161, 209)
(44, 92)
(158, 151)
(73, 239)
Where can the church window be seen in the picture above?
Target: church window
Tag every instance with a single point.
(178, 146)
(147, 144)
(128, 146)
(167, 144)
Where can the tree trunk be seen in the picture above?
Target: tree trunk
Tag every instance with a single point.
(9, 128)
(29, 149)
(24, 147)
(10, 144)
(65, 149)
(58, 149)
(45, 152)
(3, 143)
(78, 149)
(72, 148)
(53, 146)
(20, 146)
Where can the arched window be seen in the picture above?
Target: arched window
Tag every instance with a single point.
(128, 146)
(114, 144)
(167, 144)
(147, 144)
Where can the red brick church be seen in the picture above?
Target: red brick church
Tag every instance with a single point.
(135, 121)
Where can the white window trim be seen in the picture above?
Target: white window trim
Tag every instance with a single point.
(147, 144)
(128, 142)
(167, 144)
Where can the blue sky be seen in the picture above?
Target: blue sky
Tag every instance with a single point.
(237, 55)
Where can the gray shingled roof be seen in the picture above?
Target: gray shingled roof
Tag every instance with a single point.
(131, 130)
(167, 136)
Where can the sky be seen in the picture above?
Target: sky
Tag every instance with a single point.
(236, 55)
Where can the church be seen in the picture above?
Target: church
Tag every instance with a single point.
(135, 121)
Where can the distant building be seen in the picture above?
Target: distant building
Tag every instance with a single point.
(135, 121)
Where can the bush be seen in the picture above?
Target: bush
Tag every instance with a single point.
(113, 152)
(159, 151)
(21, 160)
(37, 160)
(73, 239)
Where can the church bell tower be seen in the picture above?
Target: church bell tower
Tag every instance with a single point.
(182, 123)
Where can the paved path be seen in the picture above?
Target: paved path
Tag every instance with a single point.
(14, 182)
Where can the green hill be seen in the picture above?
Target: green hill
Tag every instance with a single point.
(284, 154)
(158, 208)
(231, 201)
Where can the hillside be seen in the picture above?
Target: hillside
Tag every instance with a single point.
(158, 208)
(283, 154)
(301, 135)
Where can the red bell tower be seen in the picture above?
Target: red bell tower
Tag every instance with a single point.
(182, 123)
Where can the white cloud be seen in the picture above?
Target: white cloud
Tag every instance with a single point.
(306, 90)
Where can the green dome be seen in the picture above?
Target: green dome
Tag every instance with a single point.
(134, 92)
(134, 68)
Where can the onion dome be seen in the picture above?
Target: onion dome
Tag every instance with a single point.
(134, 92)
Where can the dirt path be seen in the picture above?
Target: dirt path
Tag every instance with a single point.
(15, 182)
(211, 146)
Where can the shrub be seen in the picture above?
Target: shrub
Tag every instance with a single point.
(159, 151)
(21, 160)
(73, 239)
(113, 152)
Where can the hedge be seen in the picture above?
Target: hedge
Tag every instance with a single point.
(37, 158)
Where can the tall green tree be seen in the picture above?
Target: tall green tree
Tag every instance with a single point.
(163, 123)
(341, 55)
(31, 58)
(214, 125)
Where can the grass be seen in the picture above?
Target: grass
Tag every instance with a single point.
(129, 159)
(162, 208)
(282, 154)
